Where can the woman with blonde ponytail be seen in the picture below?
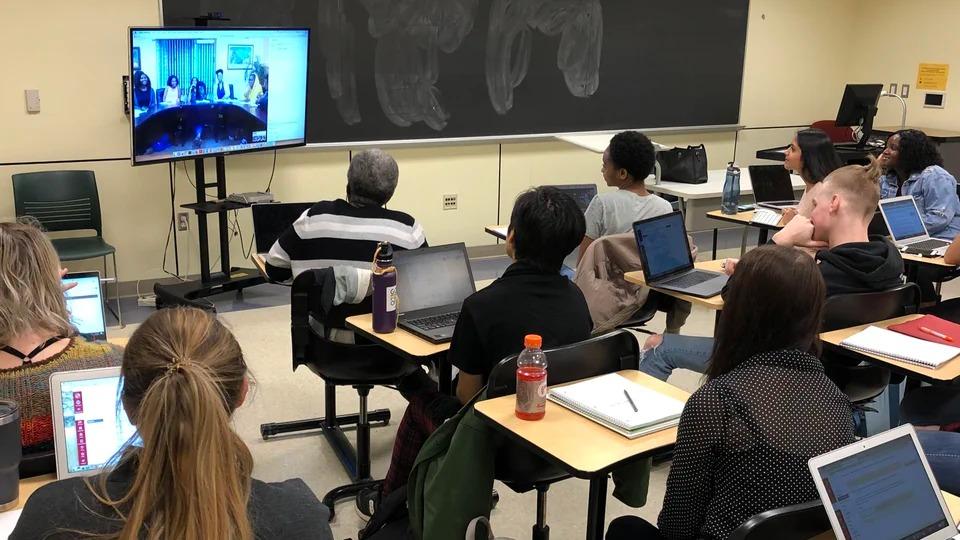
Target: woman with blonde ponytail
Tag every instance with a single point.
(190, 478)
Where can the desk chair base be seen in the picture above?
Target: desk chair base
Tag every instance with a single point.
(356, 462)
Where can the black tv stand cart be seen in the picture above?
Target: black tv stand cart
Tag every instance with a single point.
(189, 293)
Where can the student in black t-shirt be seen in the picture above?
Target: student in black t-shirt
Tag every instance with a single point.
(531, 297)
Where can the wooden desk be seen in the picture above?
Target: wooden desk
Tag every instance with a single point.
(261, 265)
(559, 437)
(714, 302)
(499, 231)
(29, 485)
(929, 261)
(407, 344)
(947, 373)
(745, 219)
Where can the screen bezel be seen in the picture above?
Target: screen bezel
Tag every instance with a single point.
(130, 70)
(645, 267)
(99, 336)
(894, 200)
(844, 452)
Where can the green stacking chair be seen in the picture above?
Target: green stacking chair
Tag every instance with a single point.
(67, 201)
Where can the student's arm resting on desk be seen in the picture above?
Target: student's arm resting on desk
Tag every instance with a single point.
(690, 481)
(939, 192)
(466, 352)
(952, 256)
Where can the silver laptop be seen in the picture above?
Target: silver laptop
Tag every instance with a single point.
(772, 187)
(90, 426)
(85, 305)
(881, 488)
(906, 225)
(665, 255)
(432, 284)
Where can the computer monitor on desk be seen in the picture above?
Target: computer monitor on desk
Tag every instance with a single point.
(858, 107)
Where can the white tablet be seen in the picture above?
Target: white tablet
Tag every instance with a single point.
(882, 488)
(85, 305)
(89, 423)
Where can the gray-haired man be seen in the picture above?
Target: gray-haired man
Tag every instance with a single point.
(346, 232)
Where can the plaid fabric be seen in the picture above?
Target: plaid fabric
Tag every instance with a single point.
(417, 424)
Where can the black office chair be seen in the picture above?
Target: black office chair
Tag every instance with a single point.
(862, 382)
(516, 466)
(796, 522)
(338, 364)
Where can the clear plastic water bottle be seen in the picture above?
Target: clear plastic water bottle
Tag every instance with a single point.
(731, 190)
(531, 379)
(384, 281)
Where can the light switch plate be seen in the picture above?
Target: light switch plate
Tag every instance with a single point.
(905, 91)
(893, 88)
(33, 100)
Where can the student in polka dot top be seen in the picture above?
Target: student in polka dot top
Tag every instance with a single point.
(767, 407)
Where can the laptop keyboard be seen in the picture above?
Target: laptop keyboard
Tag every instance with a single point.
(689, 280)
(929, 244)
(435, 321)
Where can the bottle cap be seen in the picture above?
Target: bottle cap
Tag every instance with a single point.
(532, 341)
(384, 254)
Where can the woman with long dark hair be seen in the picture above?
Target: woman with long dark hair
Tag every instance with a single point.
(143, 97)
(767, 407)
(914, 167)
(811, 155)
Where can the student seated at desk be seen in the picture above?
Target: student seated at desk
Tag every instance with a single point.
(852, 261)
(767, 407)
(914, 167)
(346, 232)
(36, 336)
(183, 376)
(627, 162)
(531, 297)
(811, 155)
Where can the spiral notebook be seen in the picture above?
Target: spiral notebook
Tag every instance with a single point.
(602, 400)
(883, 342)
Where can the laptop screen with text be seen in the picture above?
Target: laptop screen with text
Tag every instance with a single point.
(85, 305)
(432, 277)
(664, 243)
(883, 492)
(95, 426)
(903, 218)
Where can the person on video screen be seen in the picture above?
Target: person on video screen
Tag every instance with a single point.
(171, 94)
(143, 97)
(220, 87)
(254, 89)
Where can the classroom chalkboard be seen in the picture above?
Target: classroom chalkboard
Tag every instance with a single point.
(390, 70)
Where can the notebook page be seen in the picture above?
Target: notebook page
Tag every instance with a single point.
(900, 346)
(603, 398)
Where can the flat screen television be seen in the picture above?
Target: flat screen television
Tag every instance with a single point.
(203, 92)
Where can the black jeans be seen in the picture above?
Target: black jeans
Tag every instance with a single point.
(632, 528)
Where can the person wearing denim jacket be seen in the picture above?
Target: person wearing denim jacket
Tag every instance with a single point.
(914, 167)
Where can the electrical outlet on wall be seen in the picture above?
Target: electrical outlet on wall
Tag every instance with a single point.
(183, 221)
(450, 202)
(904, 91)
(893, 88)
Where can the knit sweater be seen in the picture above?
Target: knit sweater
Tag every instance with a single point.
(29, 386)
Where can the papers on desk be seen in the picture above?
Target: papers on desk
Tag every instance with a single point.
(883, 342)
(602, 399)
(8, 522)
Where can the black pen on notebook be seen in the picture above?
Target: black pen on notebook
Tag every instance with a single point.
(630, 399)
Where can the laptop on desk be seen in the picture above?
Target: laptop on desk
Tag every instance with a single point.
(432, 284)
(772, 187)
(906, 225)
(881, 488)
(667, 263)
(582, 194)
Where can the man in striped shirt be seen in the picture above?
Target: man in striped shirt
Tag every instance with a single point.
(346, 232)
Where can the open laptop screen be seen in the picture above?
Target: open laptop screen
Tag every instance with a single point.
(883, 492)
(95, 427)
(582, 194)
(663, 244)
(903, 218)
(771, 183)
(432, 277)
(85, 305)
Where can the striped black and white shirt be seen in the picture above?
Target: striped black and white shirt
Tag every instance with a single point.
(337, 233)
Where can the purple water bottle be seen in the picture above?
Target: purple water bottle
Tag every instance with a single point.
(384, 281)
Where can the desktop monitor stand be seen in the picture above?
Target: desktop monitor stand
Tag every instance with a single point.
(188, 293)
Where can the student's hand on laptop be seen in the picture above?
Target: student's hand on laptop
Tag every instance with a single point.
(729, 265)
(66, 286)
(787, 215)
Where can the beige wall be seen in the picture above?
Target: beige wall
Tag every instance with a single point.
(792, 75)
(902, 35)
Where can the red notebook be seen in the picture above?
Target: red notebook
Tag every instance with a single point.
(933, 323)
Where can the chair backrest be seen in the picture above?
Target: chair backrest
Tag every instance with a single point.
(596, 356)
(846, 310)
(160, 95)
(59, 200)
(797, 522)
(837, 134)
(310, 344)
(618, 350)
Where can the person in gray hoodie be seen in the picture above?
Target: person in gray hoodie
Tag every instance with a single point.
(850, 260)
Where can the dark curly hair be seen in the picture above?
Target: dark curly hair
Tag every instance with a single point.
(633, 151)
(917, 151)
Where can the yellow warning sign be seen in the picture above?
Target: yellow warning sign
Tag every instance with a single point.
(933, 77)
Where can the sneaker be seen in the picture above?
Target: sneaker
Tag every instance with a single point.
(368, 501)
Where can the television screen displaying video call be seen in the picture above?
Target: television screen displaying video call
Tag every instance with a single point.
(201, 92)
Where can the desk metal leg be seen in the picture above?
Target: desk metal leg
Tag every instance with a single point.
(597, 507)
(764, 232)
